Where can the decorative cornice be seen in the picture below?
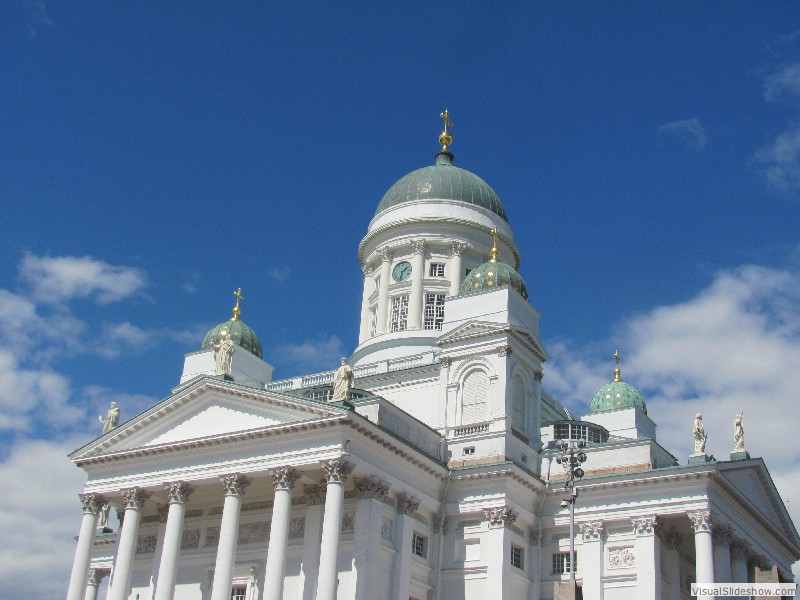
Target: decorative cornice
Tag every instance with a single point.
(284, 478)
(645, 526)
(502, 516)
(92, 503)
(234, 484)
(337, 470)
(407, 504)
(701, 521)
(370, 487)
(315, 494)
(591, 532)
(134, 498)
(178, 492)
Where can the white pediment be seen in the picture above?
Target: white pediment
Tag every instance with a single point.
(484, 329)
(208, 409)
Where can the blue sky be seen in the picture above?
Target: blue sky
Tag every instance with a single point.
(154, 158)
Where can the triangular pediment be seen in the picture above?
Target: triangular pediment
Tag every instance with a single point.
(474, 330)
(207, 409)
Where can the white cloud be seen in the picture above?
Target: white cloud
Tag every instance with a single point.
(56, 279)
(780, 162)
(313, 355)
(783, 86)
(279, 274)
(39, 517)
(690, 131)
(734, 346)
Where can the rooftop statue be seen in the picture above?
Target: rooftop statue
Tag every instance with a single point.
(342, 382)
(223, 353)
(700, 436)
(112, 418)
(738, 433)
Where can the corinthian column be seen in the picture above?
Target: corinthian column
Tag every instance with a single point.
(336, 472)
(721, 535)
(228, 534)
(591, 560)
(368, 285)
(383, 291)
(95, 577)
(128, 536)
(370, 492)
(704, 548)
(456, 268)
(168, 569)
(92, 503)
(647, 549)
(284, 479)
(417, 274)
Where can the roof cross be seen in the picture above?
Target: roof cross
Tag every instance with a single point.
(445, 139)
(236, 309)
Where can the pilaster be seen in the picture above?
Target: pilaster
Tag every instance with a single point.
(672, 564)
(370, 492)
(591, 559)
(647, 548)
(498, 560)
(407, 505)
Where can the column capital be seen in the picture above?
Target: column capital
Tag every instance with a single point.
(418, 246)
(445, 362)
(721, 534)
(504, 351)
(134, 498)
(178, 492)
(534, 536)
(407, 504)
(458, 248)
(591, 532)
(284, 478)
(739, 549)
(96, 576)
(385, 254)
(92, 503)
(337, 470)
(315, 494)
(501, 516)
(234, 484)
(673, 539)
(701, 521)
(760, 562)
(371, 487)
(645, 526)
(538, 375)
(367, 270)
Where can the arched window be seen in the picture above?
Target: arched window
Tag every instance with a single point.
(518, 405)
(474, 398)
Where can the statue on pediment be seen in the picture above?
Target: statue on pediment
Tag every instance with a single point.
(223, 354)
(111, 419)
(738, 433)
(342, 382)
(700, 435)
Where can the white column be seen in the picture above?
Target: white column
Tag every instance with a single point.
(92, 503)
(95, 577)
(703, 547)
(590, 564)
(404, 534)
(721, 536)
(159, 552)
(228, 535)
(178, 493)
(498, 560)
(283, 478)
(444, 376)
(456, 268)
(126, 550)
(536, 413)
(336, 472)
(367, 536)
(417, 274)
(647, 549)
(672, 564)
(383, 291)
(535, 562)
(363, 334)
(312, 539)
(738, 562)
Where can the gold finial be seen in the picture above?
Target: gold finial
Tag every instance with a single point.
(236, 309)
(445, 139)
(617, 371)
(494, 253)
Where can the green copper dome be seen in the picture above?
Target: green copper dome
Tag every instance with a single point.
(493, 275)
(443, 181)
(617, 395)
(241, 334)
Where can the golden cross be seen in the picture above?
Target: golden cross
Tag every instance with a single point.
(236, 310)
(617, 357)
(447, 121)
(494, 253)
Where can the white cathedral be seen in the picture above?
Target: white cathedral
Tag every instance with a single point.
(434, 475)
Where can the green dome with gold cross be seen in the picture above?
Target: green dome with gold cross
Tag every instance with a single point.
(239, 332)
(617, 395)
(492, 275)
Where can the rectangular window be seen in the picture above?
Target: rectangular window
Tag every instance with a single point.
(434, 311)
(419, 545)
(399, 320)
(517, 557)
(437, 270)
(562, 563)
(239, 592)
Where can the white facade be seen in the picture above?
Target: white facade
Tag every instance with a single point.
(437, 480)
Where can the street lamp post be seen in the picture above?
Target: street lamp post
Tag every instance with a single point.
(571, 457)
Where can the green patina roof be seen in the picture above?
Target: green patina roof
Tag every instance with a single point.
(492, 275)
(443, 181)
(241, 334)
(617, 395)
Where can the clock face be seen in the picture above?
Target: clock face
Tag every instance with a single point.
(402, 271)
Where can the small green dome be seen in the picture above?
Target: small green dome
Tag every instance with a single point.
(241, 334)
(443, 181)
(615, 396)
(491, 275)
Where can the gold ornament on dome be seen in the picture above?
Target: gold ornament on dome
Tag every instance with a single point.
(445, 139)
(236, 309)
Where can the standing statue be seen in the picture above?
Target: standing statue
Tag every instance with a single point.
(223, 353)
(111, 420)
(103, 522)
(342, 382)
(738, 433)
(700, 436)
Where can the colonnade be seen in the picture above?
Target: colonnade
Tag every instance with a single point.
(84, 581)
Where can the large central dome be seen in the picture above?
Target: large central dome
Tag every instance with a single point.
(443, 181)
